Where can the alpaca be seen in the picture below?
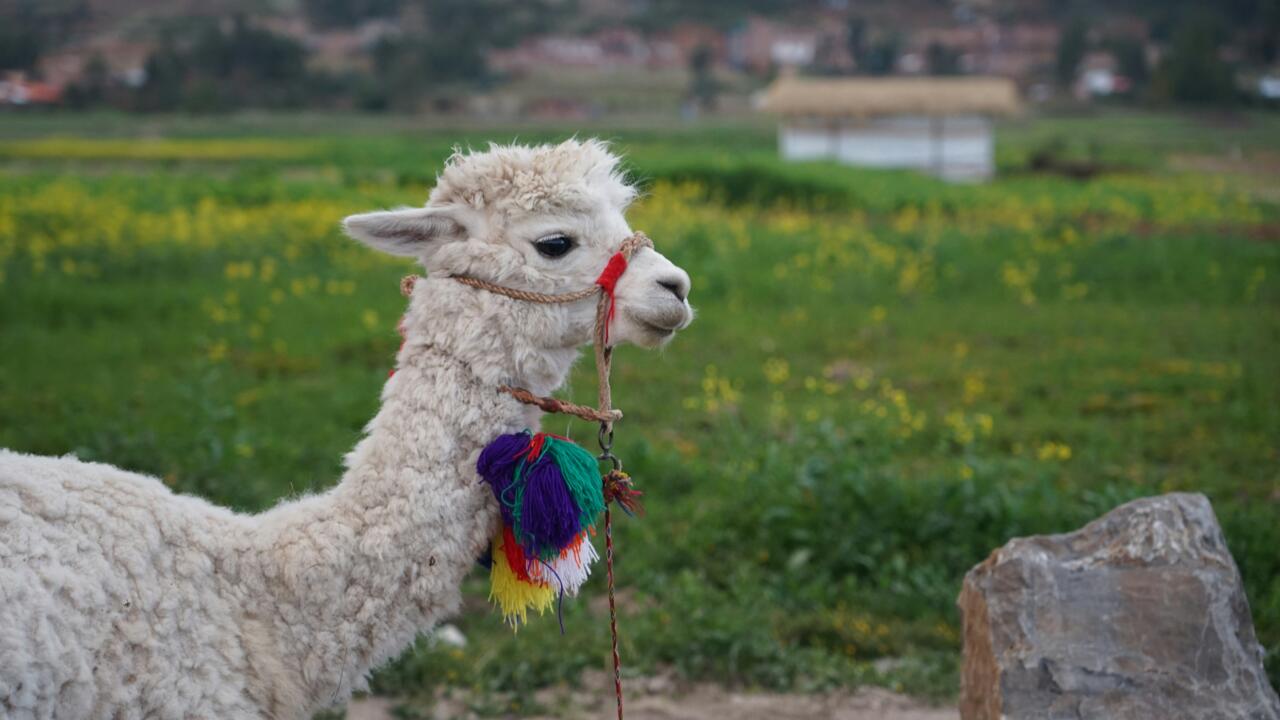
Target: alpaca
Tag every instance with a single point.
(120, 599)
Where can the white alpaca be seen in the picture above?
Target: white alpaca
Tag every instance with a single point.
(119, 599)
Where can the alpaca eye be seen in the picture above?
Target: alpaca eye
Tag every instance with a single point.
(554, 246)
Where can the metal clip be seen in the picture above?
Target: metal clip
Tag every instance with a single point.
(606, 446)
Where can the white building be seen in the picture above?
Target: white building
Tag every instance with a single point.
(939, 125)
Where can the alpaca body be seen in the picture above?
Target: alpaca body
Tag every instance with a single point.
(121, 599)
(95, 596)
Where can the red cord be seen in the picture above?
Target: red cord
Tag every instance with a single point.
(613, 610)
(608, 280)
(612, 271)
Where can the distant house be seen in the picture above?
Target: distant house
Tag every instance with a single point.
(939, 125)
(607, 49)
(1023, 51)
(1099, 77)
(760, 44)
(1269, 87)
(17, 90)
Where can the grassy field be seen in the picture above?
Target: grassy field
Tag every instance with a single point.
(889, 376)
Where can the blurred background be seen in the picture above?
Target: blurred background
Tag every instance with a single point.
(965, 270)
(580, 59)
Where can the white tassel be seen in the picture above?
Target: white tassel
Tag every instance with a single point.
(571, 570)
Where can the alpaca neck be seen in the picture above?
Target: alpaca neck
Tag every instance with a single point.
(381, 557)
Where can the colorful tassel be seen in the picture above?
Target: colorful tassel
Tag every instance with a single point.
(570, 571)
(497, 464)
(550, 494)
(513, 596)
(582, 476)
(549, 519)
(515, 557)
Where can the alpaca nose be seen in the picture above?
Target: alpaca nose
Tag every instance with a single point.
(677, 285)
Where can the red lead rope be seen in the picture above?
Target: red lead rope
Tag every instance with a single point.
(617, 489)
(613, 610)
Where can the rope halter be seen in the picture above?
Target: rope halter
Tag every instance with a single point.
(603, 288)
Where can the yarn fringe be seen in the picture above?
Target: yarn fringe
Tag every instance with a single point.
(513, 596)
(550, 495)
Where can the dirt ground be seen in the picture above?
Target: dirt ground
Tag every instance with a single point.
(1258, 170)
(661, 699)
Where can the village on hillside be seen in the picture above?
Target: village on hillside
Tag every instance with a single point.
(566, 59)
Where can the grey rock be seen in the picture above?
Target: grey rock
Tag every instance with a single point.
(1140, 614)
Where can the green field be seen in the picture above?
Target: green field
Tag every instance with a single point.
(889, 376)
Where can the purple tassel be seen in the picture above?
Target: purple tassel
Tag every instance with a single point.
(549, 518)
(501, 455)
(497, 465)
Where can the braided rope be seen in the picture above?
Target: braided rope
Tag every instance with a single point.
(604, 353)
(527, 295)
(628, 248)
(563, 407)
(613, 608)
(407, 283)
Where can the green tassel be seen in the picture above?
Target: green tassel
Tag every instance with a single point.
(582, 475)
(517, 498)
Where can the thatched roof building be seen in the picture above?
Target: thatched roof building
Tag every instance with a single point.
(875, 97)
(941, 125)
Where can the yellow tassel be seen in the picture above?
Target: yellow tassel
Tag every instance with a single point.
(513, 596)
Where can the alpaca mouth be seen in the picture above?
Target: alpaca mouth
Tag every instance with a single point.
(664, 325)
(658, 330)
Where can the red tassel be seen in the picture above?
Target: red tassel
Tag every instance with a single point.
(618, 488)
(515, 555)
(534, 451)
(609, 276)
(608, 280)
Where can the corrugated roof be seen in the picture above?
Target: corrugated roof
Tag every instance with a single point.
(866, 97)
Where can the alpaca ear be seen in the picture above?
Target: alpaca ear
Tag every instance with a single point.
(408, 232)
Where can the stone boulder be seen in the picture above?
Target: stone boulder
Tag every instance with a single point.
(1139, 614)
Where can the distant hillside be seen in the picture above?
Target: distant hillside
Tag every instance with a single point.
(569, 57)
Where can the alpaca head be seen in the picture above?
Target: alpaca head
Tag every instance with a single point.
(543, 218)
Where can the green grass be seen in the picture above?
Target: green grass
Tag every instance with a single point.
(889, 376)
